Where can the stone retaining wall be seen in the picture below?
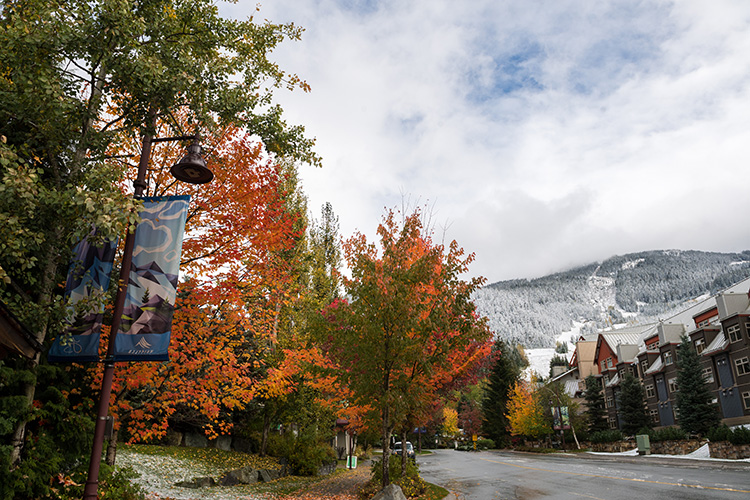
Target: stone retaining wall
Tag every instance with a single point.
(725, 449)
(676, 447)
(722, 449)
(616, 447)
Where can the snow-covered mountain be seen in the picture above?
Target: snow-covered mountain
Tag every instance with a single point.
(629, 289)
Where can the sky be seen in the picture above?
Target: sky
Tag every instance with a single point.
(539, 135)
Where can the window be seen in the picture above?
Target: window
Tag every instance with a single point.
(622, 372)
(746, 400)
(700, 345)
(650, 392)
(610, 401)
(604, 364)
(743, 366)
(734, 333)
(708, 375)
(606, 378)
(672, 383)
(609, 362)
(612, 422)
(644, 366)
(668, 358)
(654, 416)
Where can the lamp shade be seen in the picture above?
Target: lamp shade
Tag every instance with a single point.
(192, 168)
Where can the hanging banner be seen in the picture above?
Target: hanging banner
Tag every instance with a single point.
(560, 418)
(87, 282)
(144, 331)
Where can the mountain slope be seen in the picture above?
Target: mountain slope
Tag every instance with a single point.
(633, 288)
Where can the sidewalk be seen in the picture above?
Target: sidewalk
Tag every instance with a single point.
(339, 486)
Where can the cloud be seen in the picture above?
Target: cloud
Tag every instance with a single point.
(545, 134)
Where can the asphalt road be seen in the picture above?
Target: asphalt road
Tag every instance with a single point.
(495, 475)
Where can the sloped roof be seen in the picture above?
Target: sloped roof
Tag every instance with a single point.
(718, 344)
(15, 337)
(571, 388)
(629, 335)
(615, 380)
(686, 316)
(563, 375)
(656, 367)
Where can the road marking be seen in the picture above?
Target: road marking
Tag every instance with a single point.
(696, 486)
(586, 496)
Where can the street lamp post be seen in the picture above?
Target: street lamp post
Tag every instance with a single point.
(190, 169)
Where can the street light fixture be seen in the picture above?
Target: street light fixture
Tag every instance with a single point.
(192, 169)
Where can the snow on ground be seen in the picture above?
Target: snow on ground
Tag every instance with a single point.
(701, 453)
(158, 475)
(539, 358)
(538, 362)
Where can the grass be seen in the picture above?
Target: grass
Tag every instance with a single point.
(225, 460)
(434, 492)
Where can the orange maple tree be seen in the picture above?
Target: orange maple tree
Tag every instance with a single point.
(233, 286)
(409, 328)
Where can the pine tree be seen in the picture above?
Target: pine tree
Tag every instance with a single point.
(633, 414)
(697, 413)
(596, 414)
(505, 374)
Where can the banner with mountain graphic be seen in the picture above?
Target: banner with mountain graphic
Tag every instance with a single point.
(87, 282)
(144, 331)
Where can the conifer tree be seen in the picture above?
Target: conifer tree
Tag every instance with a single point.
(595, 413)
(697, 413)
(505, 373)
(632, 411)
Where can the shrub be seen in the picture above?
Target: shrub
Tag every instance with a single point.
(306, 458)
(667, 434)
(114, 484)
(609, 436)
(531, 449)
(411, 484)
(364, 453)
(740, 435)
(485, 444)
(278, 445)
(482, 444)
(719, 433)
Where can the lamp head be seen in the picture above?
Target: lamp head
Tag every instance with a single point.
(192, 168)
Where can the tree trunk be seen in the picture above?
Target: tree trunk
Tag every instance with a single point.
(29, 388)
(266, 430)
(111, 450)
(386, 446)
(404, 451)
(19, 432)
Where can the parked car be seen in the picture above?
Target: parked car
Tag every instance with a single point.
(409, 449)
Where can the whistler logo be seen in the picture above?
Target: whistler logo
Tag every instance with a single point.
(142, 347)
(143, 344)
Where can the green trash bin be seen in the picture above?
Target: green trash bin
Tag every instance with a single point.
(351, 462)
(644, 445)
